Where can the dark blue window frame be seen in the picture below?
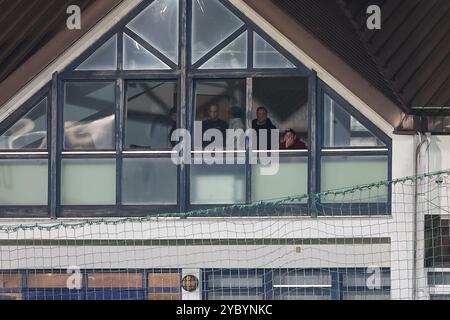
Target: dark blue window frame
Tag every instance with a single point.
(86, 293)
(268, 291)
(186, 75)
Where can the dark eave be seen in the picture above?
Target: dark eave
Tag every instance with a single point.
(34, 33)
(408, 59)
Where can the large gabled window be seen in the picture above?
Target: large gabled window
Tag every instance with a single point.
(174, 64)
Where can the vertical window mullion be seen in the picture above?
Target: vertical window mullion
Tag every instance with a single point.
(314, 139)
(185, 90)
(120, 110)
(52, 136)
(248, 118)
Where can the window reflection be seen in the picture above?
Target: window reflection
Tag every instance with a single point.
(29, 132)
(89, 116)
(220, 105)
(281, 103)
(151, 115)
(343, 130)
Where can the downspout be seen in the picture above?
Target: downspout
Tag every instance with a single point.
(424, 138)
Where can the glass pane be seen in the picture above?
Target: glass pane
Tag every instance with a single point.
(217, 184)
(302, 294)
(207, 32)
(302, 278)
(233, 56)
(151, 114)
(439, 296)
(438, 278)
(104, 58)
(266, 56)
(367, 295)
(437, 244)
(29, 132)
(354, 279)
(221, 105)
(244, 280)
(234, 297)
(136, 57)
(23, 182)
(290, 180)
(158, 24)
(149, 181)
(281, 103)
(89, 116)
(88, 182)
(349, 171)
(343, 130)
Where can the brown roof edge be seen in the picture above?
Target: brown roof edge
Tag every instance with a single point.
(330, 61)
(53, 49)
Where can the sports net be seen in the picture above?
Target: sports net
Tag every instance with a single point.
(388, 240)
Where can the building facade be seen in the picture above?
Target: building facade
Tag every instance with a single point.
(89, 137)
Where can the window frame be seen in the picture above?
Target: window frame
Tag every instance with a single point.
(185, 76)
(33, 211)
(360, 209)
(268, 289)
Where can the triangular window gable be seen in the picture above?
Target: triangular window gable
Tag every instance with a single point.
(341, 129)
(220, 38)
(136, 57)
(265, 56)
(28, 132)
(158, 25)
(104, 58)
(233, 56)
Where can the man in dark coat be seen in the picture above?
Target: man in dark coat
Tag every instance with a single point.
(263, 122)
(214, 122)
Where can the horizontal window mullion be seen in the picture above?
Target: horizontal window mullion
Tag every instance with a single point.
(24, 155)
(89, 155)
(147, 155)
(354, 152)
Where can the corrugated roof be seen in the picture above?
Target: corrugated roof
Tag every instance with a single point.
(27, 25)
(408, 59)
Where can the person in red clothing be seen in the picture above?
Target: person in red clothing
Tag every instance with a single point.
(291, 141)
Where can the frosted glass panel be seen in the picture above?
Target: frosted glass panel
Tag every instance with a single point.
(291, 180)
(233, 56)
(88, 182)
(23, 182)
(266, 56)
(343, 130)
(234, 297)
(149, 181)
(212, 23)
(29, 132)
(217, 184)
(367, 295)
(348, 171)
(302, 278)
(105, 58)
(158, 24)
(136, 57)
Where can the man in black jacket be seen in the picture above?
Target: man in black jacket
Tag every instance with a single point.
(262, 121)
(214, 122)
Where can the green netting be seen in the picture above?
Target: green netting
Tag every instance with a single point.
(385, 240)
